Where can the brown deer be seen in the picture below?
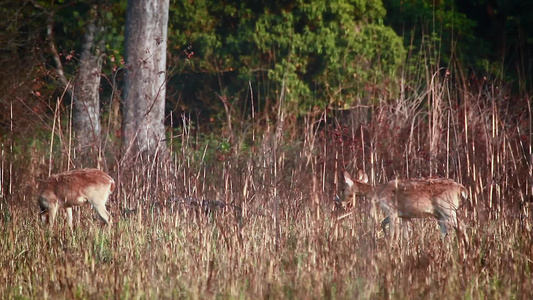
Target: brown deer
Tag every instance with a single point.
(410, 198)
(75, 188)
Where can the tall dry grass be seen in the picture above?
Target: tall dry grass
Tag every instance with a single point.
(288, 242)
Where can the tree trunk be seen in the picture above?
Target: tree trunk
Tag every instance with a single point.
(144, 91)
(86, 98)
(85, 92)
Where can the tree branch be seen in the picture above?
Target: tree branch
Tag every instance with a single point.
(51, 43)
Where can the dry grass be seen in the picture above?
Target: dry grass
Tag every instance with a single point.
(288, 243)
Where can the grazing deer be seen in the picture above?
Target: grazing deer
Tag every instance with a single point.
(75, 188)
(410, 198)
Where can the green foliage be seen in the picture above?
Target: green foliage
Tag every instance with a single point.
(69, 21)
(487, 38)
(313, 53)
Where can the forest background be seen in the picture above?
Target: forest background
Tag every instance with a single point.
(265, 104)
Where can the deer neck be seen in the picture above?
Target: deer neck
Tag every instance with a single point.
(365, 189)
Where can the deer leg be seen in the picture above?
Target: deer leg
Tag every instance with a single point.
(443, 226)
(69, 217)
(52, 211)
(393, 223)
(103, 213)
(458, 225)
(384, 223)
(44, 216)
(406, 229)
(44, 205)
(459, 230)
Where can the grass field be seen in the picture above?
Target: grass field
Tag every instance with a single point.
(180, 255)
(288, 244)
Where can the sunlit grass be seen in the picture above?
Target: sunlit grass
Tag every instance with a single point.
(177, 257)
(289, 243)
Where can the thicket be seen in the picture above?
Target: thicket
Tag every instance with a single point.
(227, 59)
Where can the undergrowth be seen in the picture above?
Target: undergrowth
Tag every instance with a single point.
(285, 240)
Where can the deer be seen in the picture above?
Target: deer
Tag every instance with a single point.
(75, 188)
(410, 198)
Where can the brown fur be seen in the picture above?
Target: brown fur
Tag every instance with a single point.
(410, 198)
(75, 188)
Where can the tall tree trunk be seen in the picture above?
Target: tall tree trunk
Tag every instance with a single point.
(86, 98)
(85, 92)
(144, 92)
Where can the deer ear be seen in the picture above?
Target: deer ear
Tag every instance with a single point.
(348, 179)
(362, 177)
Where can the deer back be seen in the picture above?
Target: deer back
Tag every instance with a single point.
(77, 186)
(419, 198)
